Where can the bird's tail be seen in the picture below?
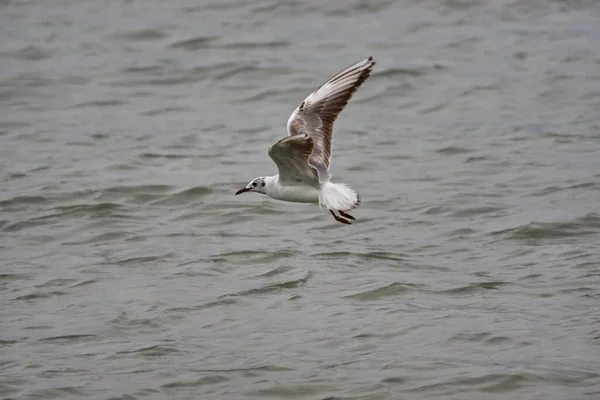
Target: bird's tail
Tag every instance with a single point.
(338, 196)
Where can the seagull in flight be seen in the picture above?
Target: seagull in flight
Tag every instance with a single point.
(303, 157)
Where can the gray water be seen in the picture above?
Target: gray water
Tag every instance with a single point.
(129, 270)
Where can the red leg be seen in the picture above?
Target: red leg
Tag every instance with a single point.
(343, 214)
(340, 219)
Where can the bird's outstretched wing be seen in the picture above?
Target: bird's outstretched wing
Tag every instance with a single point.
(317, 113)
(291, 154)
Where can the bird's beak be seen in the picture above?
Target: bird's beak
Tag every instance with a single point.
(244, 190)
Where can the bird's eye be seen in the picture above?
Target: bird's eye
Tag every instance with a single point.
(254, 184)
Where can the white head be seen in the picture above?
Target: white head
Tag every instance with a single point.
(256, 185)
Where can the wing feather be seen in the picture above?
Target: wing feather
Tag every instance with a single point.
(316, 115)
(291, 155)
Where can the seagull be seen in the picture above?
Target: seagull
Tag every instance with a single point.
(303, 157)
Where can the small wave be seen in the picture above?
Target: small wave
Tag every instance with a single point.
(185, 197)
(196, 43)
(100, 238)
(267, 367)
(275, 287)
(123, 322)
(253, 256)
(375, 255)
(101, 210)
(364, 166)
(461, 232)
(152, 69)
(22, 225)
(57, 372)
(474, 211)
(83, 283)
(293, 391)
(257, 45)
(57, 393)
(141, 35)
(56, 282)
(502, 340)
(142, 260)
(274, 272)
(206, 380)
(92, 210)
(432, 109)
(481, 337)
(250, 71)
(222, 302)
(452, 150)
(436, 210)
(41, 295)
(151, 189)
(167, 156)
(68, 338)
(12, 125)
(151, 351)
(15, 175)
(100, 103)
(394, 289)
(554, 189)
(587, 225)
(473, 288)
(168, 74)
(19, 200)
(30, 81)
(490, 383)
(13, 277)
(392, 380)
(358, 8)
(30, 53)
(166, 110)
(160, 78)
(400, 90)
(265, 94)
(474, 159)
(407, 71)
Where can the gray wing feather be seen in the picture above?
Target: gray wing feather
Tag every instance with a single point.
(291, 154)
(316, 115)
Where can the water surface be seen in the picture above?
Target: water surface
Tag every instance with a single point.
(131, 271)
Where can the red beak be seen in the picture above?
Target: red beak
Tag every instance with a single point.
(244, 190)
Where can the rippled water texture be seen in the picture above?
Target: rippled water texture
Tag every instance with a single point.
(129, 270)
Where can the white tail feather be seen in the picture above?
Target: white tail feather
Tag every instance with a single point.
(338, 196)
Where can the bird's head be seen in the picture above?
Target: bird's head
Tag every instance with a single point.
(256, 185)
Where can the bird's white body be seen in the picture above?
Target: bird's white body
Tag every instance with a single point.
(303, 157)
(336, 196)
(294, 193)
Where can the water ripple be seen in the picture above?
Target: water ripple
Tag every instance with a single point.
(195, 43)
(587, 225)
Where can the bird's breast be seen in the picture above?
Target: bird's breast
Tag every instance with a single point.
(297, 194)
